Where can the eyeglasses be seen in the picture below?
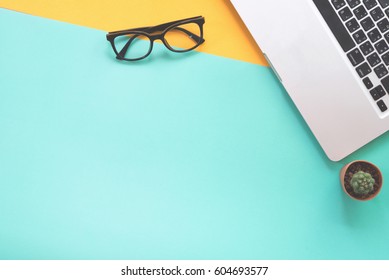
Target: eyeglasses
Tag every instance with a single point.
(178, 36)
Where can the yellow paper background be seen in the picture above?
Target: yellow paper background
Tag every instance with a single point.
(225, 33)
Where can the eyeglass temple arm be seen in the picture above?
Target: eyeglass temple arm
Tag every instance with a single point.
(194, 37)
(162, 27)
(154, 29)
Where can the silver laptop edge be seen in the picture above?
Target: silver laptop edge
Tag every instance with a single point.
(316, 73)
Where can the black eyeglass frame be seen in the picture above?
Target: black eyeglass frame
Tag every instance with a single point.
(163, 28)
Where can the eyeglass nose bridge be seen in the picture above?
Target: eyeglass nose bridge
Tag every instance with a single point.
(156, 37)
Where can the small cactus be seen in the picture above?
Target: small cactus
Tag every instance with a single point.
(362, 182)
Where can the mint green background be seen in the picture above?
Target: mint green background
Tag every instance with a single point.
(180, 156)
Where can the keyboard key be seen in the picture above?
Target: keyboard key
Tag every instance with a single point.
(381, 71)
(384, 3)
(381, 47)
(366, 48)
(352, 25)
(367, 23)
(381, 104)
(353, 3)
(355, 57)
(385, 83)
(373, 59)
(370, 3)
(338, 3)
(374, 94)
(345, 14)
(363, 70)
(387, 37)
(377, 13)
(383, 25)
(374, 35)
(360, 12)
(359, 36)
(335, 24)
(367, 83)
(385, 58)
(377, 92)
(381, 92)
(387, 12)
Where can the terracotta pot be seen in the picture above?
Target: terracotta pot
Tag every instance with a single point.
(379, 175)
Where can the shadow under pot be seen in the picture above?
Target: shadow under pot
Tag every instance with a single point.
(361, 180)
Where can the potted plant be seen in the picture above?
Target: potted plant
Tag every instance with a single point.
(361, 180)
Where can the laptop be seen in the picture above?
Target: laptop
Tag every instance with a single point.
(332, 57)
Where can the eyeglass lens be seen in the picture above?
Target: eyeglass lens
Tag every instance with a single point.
(132, 46)
(180, 38)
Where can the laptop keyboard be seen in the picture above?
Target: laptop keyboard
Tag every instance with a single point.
(362, 29)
